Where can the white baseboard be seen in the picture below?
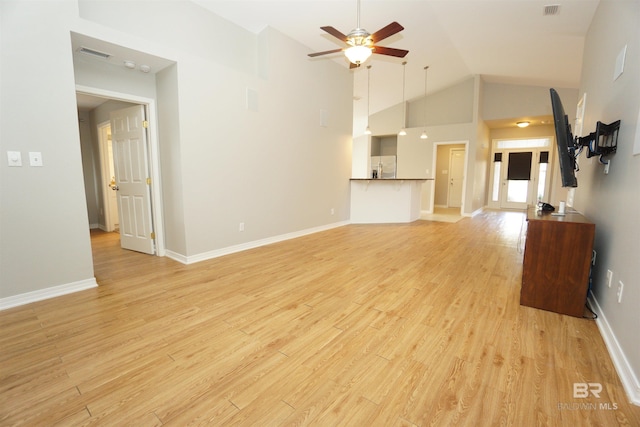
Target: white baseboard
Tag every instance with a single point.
(42, 294)
(249, 245)
(474, 213)
(177, 257)
(625, 372)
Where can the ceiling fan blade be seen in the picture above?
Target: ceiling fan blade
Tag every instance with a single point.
(334, 33)
(380, 50)
(325, 52)
(387, 31)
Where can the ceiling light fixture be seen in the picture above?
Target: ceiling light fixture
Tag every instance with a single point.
(360, 41)
(358, 54)
(423, 135)
(367, 131)
(130, 64)
(403, 132)
(523, 124)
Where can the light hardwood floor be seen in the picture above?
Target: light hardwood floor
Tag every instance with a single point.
(381, 325)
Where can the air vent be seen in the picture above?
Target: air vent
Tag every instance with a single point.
(551, 9)
(93, 52)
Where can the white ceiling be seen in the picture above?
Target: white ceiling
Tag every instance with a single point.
(505, 41)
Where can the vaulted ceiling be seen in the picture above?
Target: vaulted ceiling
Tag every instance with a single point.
(507, 41)
(504, 41)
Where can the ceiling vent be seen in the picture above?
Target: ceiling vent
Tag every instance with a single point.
(93, 52)
(551, 9)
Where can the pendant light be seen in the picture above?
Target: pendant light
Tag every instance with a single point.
(403, 132)
(424, 130)
(367, 131)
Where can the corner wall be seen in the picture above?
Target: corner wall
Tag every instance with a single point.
(44, 227)
(612, 201)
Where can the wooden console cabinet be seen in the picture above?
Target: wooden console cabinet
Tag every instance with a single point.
(557, 261)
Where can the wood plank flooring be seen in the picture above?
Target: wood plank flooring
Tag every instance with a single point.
(383, 325)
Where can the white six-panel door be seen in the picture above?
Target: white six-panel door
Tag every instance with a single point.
(129, 140)
(456, 177)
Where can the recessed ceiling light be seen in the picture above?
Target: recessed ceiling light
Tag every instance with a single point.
(130, 64)
(523, 124)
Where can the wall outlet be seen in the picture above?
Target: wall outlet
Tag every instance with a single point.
(35, 158)
(620, 288)
(609, 278)
(241, 226)
(333, 211)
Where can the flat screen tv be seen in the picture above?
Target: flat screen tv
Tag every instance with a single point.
(565, 142)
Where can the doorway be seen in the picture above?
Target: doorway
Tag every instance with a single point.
(152, 155)
(519, 174)
(108, 178)
(449, 170)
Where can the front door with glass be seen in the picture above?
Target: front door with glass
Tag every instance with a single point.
(519, 173)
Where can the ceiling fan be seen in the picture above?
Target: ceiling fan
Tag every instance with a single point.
(361, 44)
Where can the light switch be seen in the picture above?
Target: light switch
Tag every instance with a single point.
(14, 158)
(35, 158)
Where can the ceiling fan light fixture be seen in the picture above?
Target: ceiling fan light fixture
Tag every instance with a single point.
(357, 54)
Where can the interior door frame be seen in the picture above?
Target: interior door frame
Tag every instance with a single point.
(154, 154)
(105, 179)
(535, 169)
(434, 161)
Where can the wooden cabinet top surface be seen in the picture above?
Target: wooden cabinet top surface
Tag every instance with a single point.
(533, 214)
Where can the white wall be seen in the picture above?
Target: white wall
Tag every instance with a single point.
(504, 101)
(44, 228)
(448, 106)
(171, 160)
(91, 169)
(275, 169)
(612, 201)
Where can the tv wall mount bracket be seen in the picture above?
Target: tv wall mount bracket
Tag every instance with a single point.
(602, 142)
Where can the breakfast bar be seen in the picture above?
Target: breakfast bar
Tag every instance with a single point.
(389, 200)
